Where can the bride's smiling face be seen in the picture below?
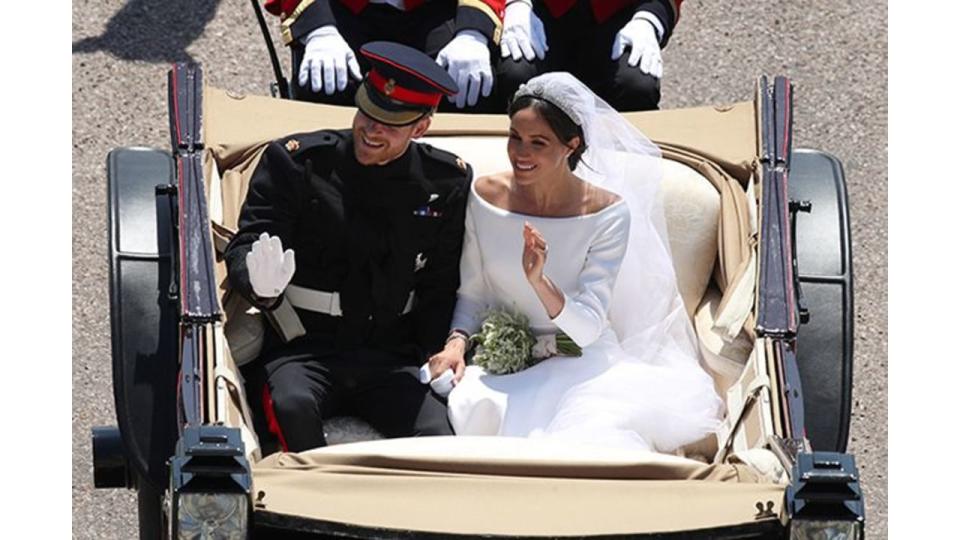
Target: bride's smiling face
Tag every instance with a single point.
(534, 149)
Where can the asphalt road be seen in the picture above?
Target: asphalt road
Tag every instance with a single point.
(835, 52)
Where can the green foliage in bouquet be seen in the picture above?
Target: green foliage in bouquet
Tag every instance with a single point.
(566, 346)
(505, 344)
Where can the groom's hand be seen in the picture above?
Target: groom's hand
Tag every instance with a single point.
(269, 266)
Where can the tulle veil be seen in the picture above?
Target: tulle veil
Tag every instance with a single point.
(646, 311)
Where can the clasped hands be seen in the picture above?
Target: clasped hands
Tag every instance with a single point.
(445, 369)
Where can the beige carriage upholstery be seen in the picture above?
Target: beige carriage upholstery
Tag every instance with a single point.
(708, 211)
(718, 143)
(488, 486)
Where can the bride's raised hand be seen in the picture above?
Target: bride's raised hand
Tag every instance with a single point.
(534, 253)
(534, 259)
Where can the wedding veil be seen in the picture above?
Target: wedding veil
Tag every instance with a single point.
(646, 310)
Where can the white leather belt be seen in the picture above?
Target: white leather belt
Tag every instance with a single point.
(314, 300)
(323, 301)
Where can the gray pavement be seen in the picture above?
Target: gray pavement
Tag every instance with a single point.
(835, 52)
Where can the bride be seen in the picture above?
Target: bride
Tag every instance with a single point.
(574, 238)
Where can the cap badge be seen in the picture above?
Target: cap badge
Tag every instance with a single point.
(389, 87)
(292, 145)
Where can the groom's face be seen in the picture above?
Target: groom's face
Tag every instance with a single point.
(375, 143)
(534, 149)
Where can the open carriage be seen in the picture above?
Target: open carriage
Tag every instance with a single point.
(760, 238)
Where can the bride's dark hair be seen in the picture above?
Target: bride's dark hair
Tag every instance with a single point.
(562, 125)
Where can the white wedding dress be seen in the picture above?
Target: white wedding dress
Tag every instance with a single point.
(606, 396)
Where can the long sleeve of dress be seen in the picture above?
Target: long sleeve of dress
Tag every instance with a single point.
(584, 313)
(472, 296)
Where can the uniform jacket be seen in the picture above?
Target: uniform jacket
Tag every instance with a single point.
(300, 17)
(371, 233)
(668, 11)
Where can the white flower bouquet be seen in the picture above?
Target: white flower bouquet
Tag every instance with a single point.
(505, 344)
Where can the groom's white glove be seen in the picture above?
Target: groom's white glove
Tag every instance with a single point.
(269, 266)
(467, 59)
(326, 60)
(523, 33)
(640, 34)
(442, 385)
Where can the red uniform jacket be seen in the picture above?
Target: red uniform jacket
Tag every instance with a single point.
(300, 17)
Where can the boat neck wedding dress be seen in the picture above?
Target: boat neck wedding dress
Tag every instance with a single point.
(638, 384)
(606, 396)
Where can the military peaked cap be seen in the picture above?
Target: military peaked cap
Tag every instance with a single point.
(403, 84)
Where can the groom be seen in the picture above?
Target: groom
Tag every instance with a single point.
(373, 225)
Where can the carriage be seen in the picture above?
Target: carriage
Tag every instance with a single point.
(760, 237)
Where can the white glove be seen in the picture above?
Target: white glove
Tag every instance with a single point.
(467, 60)
(326, 59)
(523, 33)
(270, 268)
(442, 385)
(640, 35)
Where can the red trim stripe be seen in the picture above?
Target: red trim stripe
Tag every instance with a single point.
(176, 110)
(786, 201)
(272, 424)
(400, 93)
(785, 241)
(176, 120)
(408, 70)
(786, 123)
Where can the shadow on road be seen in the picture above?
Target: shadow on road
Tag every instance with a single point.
(153, 30)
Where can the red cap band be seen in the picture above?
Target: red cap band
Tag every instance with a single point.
(390, 89)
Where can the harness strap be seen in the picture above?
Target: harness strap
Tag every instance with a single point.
(286, 321)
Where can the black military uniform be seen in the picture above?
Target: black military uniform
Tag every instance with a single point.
(377, 267)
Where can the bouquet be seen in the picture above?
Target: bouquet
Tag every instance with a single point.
(505, 344)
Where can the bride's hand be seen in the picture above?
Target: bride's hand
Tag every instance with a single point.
(451, 357)
(534, 253)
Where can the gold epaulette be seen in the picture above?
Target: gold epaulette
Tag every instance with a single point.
(286, 25)
(489, 12)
